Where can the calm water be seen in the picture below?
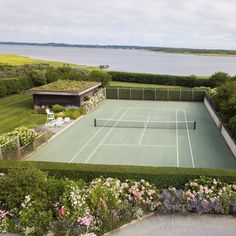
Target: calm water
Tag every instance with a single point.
(130, 60)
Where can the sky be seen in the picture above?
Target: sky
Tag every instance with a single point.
(164, 23)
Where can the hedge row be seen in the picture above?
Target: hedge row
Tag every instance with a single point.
(14, 85)
(187, 81)
(162, 177)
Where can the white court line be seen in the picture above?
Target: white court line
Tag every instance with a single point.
(189, 141)
(177, 138)
(77, 153)
(95, 149)
(157, 109)
(140, 140)
(136, 145)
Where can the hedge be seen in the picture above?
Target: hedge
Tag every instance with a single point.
(14, 85)
(162, 177)
(187, 81)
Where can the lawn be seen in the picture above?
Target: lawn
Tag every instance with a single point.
(17, 110)
(17, 60)
(140, 85)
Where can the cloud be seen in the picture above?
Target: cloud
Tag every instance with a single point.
(175, 23)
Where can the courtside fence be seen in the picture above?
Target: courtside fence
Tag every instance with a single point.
(12, 150)
(155, 94)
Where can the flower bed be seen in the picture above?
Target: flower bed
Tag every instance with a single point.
(33, 203)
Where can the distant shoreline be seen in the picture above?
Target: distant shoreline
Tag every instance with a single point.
(187, 51)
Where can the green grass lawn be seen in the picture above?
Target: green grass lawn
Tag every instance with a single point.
(17, 110)
(140, 85)
(17, 60)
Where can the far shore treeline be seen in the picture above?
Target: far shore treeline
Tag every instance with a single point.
(152, 48)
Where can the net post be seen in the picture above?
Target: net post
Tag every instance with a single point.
(95, 122)
(195, 124)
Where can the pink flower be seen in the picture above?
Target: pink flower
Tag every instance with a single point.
(86, 220)
(3, 214)
(62, 211)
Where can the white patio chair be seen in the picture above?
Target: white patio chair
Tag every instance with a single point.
(50, 114)
(50, 118)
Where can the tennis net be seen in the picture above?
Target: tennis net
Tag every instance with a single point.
(145, 124)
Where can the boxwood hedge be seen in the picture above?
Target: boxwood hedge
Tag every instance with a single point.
(14, 85)
(161, 176)
(187, 81)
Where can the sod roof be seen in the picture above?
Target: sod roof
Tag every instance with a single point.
(67, 86)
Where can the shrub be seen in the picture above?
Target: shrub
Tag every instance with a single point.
(73, 113)
(100, 76)
(14, 85)
(188, 81)
(31, 202)
(21, 182)
(86, 98)
(219, 78)
(232, 125)
(226, 100)
(207, 195)
(58, 108)
(26, 135)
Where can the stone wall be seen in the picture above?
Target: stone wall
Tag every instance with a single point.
(94, 100)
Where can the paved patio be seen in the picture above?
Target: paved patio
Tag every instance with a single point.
(184, 225)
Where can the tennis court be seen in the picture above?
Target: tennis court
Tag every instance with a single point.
(147, 133)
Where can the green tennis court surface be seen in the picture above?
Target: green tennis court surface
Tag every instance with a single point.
(147, 133)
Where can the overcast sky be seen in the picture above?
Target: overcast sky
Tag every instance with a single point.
(170, 23)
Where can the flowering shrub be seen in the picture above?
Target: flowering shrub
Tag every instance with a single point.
(207, 195)
(140, 194)
(172, 200)
(25, 135)
(33, 203)
(4, 221)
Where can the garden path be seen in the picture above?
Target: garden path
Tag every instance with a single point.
(184, 225)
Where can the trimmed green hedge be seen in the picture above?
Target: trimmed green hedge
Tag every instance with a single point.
(161, 176)
(187, 81)
(14, 85)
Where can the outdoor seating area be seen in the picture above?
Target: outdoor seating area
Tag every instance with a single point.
(53, 122)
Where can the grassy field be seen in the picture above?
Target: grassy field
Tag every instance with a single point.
(17, 110)
(20, 60)
(17, 60)
(140, 85)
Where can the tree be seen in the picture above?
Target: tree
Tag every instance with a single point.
(100, 76)
(232, 125)
(219, 78)
(226, 100)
